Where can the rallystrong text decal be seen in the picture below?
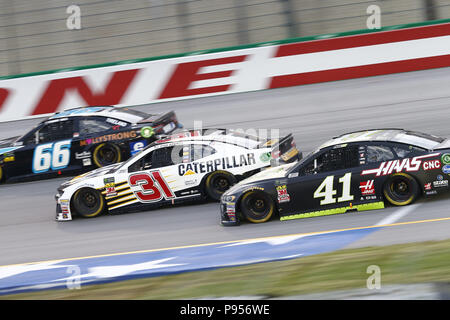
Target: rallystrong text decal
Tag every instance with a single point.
(217, 164)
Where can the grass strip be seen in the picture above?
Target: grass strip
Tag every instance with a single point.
(340, 270)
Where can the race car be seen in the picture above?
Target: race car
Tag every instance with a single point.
(81, 139)
(190, 165)
(356, 171)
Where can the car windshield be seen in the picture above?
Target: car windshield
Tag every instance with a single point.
(133, 158)
(300, 162)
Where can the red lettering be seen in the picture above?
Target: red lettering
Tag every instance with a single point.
(112, 94)
(187, 73)
(149, 192)
(4, 93)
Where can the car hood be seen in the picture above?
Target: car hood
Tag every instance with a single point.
(91, 174)
(8, 145)
(271, 173)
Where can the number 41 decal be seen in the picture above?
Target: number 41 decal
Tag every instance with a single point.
(326, 190)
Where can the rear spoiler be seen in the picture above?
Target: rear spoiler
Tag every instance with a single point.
(284, 151)
(163, 123)
(443, 145)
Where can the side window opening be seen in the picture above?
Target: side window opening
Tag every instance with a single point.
(333, 159)
(55, 131)
(93, 125)
(378, 153)
(199, 151)
(405, 151)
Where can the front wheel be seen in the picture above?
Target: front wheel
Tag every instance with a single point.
(401, 189)
(257, 206)
(88, 202)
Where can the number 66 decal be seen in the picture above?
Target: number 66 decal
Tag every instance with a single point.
(150, 192)
(53, 156)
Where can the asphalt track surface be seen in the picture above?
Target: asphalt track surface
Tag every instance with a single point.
(314, 113)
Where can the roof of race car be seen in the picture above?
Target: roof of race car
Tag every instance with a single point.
(418, 139)
(121, 113)
(223, 135)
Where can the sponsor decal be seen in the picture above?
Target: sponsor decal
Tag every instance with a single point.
(110, 186)
(445, 158)
(367, 187)
(82, 155)
(231, 210)
(217, 164)
(264, 157)
(431, 165)
(446, 169)
(440, 182)
(116, 122)
(109, 137)
(282, 194)
(190, 182)
(9, 159)
(429, 193)
(136, 147)
(87, 162)
(64, 203)
(108, 180)
(407, 164)
(147, 132)
(427, 186)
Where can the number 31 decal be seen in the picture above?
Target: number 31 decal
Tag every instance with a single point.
(150, 191)
(326, 190)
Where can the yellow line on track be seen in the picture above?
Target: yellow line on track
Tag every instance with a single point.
(234, 241)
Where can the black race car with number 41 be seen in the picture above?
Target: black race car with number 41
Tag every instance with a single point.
(356, 171)
(81, 139)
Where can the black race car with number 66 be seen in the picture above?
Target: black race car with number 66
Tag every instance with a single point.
(81, 139)
(353, 172)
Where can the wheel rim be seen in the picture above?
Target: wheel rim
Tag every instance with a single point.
(106, 155)
(258, 207)
(400, 188)
(88, 203)
(221, 184)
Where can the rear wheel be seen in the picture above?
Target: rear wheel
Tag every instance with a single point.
(257, 206)
(106, 154)
(1, 174)
(401, 189)
(88, 202)
(217, 183)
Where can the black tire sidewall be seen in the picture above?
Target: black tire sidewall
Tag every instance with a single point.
(210, 191)
(77, 206)
(98, 149)
(392, 198)
(248, 214)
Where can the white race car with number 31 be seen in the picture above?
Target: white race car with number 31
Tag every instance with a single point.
(191, 164)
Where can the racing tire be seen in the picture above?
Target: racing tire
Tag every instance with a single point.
(257, 206)
(1, 174)
(401, 189)
(106, 154)
(217, 183)
(88, 202)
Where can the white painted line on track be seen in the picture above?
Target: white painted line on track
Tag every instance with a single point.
(397, 215)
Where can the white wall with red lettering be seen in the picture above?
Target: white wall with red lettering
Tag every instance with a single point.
(227, 72)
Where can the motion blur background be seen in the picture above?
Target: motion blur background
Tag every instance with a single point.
(34, 35)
